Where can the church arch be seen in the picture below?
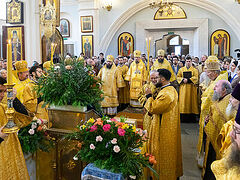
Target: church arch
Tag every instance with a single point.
(209, 6)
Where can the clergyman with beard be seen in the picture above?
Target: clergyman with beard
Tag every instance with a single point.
(31, 100)
(112, 81)
(229, 166)
(214, 122)
(224, 139)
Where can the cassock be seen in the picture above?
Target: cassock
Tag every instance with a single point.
(112, 79)
(165, 65)
(137, 75)
(205, 108)
(188, 99)
(165, 133)
(123, 93)
(33, 103)
(12, 162)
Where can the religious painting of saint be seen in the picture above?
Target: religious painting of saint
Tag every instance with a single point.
(64, 28)
(87, 45)
(86, 24)
(125, 44)
(16, 35)
(14, 10)
(220, 43)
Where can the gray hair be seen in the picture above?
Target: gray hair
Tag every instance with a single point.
(226, 85)
(153, 71)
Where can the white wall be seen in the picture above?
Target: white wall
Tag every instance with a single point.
(192, 12)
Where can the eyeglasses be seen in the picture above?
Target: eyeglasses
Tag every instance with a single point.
(235, 131)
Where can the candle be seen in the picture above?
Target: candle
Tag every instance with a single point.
(9, 63)
(53, 47)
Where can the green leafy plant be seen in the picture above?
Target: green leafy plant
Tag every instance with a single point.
(114, 146)
(70, 83)
(34, 137)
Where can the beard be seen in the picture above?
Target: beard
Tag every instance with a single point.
(229, 111)
(109, 66)
(136, 62)
(234, 156)
(158, 85)
(216, 96)
(160, 60)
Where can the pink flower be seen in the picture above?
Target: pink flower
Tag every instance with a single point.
(31, 131)
(114, 141)
(92, 146)
(93, 128)
(113, 120)
(121, 132)
(116, 149)
(106, 127)
(99, 138)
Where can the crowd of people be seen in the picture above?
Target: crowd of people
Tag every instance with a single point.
(167, 89)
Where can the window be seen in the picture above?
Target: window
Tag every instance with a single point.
(174, 41)
(185, 42)
(178, 50)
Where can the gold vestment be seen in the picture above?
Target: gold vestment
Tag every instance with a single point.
(205, 107)
(137, 75)
(31, 103)
(165, 134)
(188, 99)
(123, 93)
(19, 86)
(165, 65)
(112, 79)
(222, 171)
(12, 162)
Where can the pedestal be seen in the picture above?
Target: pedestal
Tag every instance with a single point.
(30, 160)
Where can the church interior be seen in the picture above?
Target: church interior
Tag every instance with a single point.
(134, 63)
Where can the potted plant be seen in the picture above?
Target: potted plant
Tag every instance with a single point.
(114, 146)
(70, 83)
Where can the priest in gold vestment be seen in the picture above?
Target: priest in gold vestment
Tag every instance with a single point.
(32, 102)
(162, 63)
(213, 72)
(112, 80)
(228, 168)
(22, 72)
(12, 162)
(143, 99)
(123, 93)
(187, 78)
(165, 133)
(137, 76)
(214, 122)
(224, 139)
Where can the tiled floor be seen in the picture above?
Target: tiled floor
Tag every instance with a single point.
(189, 151)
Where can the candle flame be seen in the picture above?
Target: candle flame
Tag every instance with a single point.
(9, 41)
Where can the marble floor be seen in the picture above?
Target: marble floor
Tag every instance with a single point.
(189, 135)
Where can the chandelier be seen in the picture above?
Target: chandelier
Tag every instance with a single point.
(161, 4)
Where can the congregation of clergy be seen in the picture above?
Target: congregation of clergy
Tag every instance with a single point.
(177, 89)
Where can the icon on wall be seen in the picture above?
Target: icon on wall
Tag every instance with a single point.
(220, 43)
(64, 28)
(86, 24)
(14, 10)
(125, 44)
(87, 45)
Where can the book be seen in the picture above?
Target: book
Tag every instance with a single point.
(187, 74)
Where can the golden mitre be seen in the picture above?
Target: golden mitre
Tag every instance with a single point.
(110, 58)
(137, 53)
(212, 63)
(21, 66)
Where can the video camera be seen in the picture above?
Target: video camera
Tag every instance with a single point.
(238, 53)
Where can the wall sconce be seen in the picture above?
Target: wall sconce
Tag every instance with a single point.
(238, 1)
(107, 4)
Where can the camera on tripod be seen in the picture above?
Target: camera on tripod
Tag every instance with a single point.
(238, 53)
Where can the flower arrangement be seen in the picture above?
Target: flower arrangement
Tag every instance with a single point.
(113, 145)
(34, 137)
(70, 83)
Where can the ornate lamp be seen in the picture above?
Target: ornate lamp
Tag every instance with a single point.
(161, 4)
(107, 5)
